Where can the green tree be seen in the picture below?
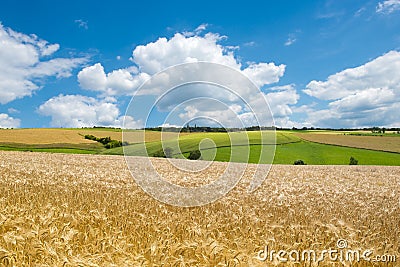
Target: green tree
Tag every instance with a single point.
(164, 153)
(299, 162)
(353, 161)
(194, 155)
(159, 154)
(168, 152)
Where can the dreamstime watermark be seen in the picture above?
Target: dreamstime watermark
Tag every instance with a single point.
(341, 253)
(199, 92)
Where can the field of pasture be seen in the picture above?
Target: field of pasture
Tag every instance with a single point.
(290, 146)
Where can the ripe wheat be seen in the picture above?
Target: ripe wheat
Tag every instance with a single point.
(85, 210)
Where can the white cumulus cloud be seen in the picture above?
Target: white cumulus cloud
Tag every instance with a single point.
(381, 72)
(235, 114)
(83, 111)
(156, 56)
(22, 64)
(117, 82)
(360, 97)
(187, 47)
(8, 122)
(281, 102)
(264, 73)
(163, 53)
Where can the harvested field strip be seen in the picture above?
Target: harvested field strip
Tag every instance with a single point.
(379, 143)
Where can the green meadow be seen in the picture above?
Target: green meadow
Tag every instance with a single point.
(288, 149)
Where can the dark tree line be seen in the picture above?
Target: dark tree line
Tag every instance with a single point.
(107, 142)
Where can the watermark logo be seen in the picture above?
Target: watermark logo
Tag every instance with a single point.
(341, 253)
(341, 243)
(208, 94)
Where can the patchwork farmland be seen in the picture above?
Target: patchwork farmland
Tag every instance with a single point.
(389, 143)
(314, 148)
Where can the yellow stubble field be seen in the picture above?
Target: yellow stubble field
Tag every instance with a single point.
(380, 143)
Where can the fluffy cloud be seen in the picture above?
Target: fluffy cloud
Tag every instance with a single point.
(264, 73)
(163, 53)
(388, 6)
(186, 47)
(13, 111)
(8, 122)
(381, 72)
(22, 64)
(360, 97)
(383, 117)
(83, 111)
(370, 98)
(281, 101)
(237, 114)
(117, 82)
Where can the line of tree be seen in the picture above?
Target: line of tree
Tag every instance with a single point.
(194, 129)
(103, 127)
(107, 142)
(372, 129)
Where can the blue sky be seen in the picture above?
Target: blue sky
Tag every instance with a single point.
(318, 63)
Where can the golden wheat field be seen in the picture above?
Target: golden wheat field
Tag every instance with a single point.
(86, 210)
(382, 143)
(41, 136)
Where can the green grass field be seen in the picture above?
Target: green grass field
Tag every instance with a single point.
(289, 148)
(187, 143)
(54, 148)
(320, 154)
